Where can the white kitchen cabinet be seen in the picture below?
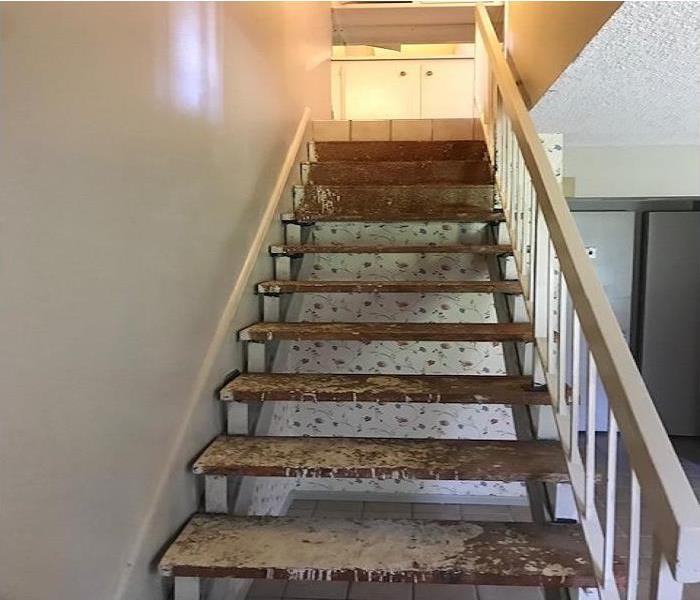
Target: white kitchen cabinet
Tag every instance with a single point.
(447, 89)
(403, 89)
(370, 89)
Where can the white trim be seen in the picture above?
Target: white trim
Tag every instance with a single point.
(662, 480)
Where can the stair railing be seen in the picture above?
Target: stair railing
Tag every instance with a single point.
(579, 343)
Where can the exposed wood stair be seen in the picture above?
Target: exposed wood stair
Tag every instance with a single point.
(373, 287)
(377, 458)
(300, 249)
(448, 389)
(394, 550)
(385, 182)
(387, 332)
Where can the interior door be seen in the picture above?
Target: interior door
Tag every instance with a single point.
(381, 89)
(609, 237)
(447, 89)
(671, 320)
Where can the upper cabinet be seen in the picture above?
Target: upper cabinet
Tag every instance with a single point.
(447, 89)
(403, 89)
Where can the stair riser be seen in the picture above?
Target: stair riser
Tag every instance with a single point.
(379, 202)
(398, 151)
(404, 173)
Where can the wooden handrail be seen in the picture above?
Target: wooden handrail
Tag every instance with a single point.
(663, 482)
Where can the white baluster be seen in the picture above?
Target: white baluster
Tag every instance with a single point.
(635, 536)
(575, 388)
(562, 347)
(553, 275)
(590, 437)
(663, 584)
(608, 575)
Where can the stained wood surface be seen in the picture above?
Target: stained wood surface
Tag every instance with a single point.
(375, 458)
(290, 250)
(421, 287)
(400, 151)
(367, 332)
(461, 389)
(399, 173)
(392, 200)
(381, 550)
(426, 214)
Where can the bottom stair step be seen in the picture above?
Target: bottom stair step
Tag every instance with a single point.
(382, 550)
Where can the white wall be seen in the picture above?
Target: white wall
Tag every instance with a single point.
(139, 143)
(633, 171)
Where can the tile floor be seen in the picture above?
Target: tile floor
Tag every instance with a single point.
(688, 450)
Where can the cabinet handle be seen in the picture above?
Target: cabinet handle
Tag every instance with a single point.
(403, 73)
(428, 73)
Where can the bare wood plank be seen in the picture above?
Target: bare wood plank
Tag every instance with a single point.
(377, 458)
(420, 287)
(392, 200)
(400, 151)
(368, 332)
(290, 249)
(298, 387)
(400, 172)
(486, 553)
(425, 215)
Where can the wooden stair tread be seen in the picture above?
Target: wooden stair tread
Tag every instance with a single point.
(389, 550)
(384, 458)
(461, 389)
(424, 287)
(475, 172)
(424, 216)
(391, 200)
(366, 332)
(291, 249)
(472, 150)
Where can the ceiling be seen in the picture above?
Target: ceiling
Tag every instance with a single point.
(636, 83)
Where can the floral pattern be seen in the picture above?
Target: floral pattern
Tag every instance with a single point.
(392, 420)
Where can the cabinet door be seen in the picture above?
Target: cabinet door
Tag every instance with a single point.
(447, 89)
(382, 89)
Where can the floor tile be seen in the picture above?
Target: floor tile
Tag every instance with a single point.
(389, 510)
(317, 590)
(492, 592)
(381, 591)
(267, 589)
(442, 591)
(485, 512)
(437, 511)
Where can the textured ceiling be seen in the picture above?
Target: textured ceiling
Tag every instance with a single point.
(636, 83)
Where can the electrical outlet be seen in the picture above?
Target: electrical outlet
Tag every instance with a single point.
(592, 251)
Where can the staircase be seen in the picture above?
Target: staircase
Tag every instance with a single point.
(382, 182)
